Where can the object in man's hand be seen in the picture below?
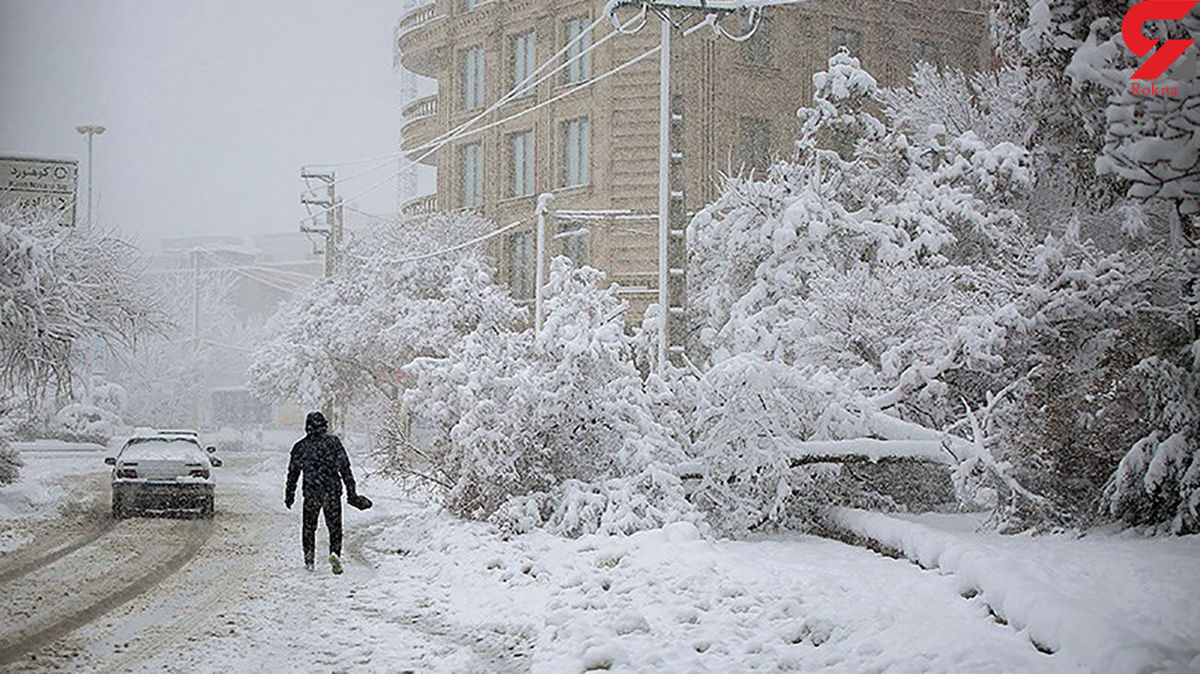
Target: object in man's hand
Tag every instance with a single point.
(359, 501)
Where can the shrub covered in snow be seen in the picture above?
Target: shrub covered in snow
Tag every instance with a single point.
(1158, 482)
(553, 429)
(10, 459)
(80, 422)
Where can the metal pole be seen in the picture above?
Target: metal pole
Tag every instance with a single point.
(539, 274)
(195, 299)
(664, 185)
(89, 130)
(196, 327)
(89, 204)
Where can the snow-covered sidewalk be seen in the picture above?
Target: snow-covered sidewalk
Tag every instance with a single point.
(661, 601)
(1107, 603)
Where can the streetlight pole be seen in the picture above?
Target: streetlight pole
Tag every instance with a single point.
(90, 130)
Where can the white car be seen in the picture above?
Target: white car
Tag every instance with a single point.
(162, 472)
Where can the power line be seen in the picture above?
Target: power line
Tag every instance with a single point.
(644, 55)
(461, 132)
(454, 248)
(512, 93)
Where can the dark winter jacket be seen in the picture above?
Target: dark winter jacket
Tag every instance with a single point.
(323, 461)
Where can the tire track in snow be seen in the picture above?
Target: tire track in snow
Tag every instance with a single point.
(32, 637)
(79, 518)
(23, 568)
(231, 564)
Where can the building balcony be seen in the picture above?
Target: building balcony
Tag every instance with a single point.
(420, 127)
(421, 205)
(422, 107)
(418, 37)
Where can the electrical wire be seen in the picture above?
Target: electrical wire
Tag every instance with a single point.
(644, 55)
(460, 131)
(755, 17)
(260, 276)
(454, 248)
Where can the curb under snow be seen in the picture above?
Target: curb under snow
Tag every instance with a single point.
(1053, 623)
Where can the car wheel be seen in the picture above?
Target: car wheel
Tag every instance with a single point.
(206, 510)
(118, 507)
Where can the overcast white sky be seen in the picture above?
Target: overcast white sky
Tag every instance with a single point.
(211, 106)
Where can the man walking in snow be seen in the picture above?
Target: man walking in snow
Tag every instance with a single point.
(320, 456)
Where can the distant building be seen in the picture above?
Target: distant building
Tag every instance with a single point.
(597, 150)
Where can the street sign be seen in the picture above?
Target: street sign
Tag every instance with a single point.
(40, 183)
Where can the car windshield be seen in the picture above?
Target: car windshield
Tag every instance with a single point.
(179, 449)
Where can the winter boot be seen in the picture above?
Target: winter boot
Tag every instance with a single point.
(335, 563)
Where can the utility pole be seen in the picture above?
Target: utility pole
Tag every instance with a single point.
(672, 248)
(333, 237)
(195, 298)
(672, 216)
(196, 327)
(91, 131)
(332, 231)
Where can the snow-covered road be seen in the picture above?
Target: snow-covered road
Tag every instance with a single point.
(427, 593)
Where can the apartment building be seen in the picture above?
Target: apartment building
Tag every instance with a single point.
(596, 150)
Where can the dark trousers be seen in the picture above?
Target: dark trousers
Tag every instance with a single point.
(313, 505)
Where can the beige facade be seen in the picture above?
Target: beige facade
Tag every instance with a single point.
(739, 103)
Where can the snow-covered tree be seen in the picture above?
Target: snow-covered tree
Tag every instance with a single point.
(348, 337)
(1088, 117)
(166, 375)
(61, 289)
(907, 253)
(1129, 380)
(552, 429)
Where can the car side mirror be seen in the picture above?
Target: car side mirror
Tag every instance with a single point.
(212, 450)
(110, 460)
(216, 463)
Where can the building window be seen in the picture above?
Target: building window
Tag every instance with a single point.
(757, 50)
(470, 73)
(470, 171)
(573, 237)
(470, 5)
(850, 39)
(755, 142)
(521, 168)
(579, 59)
(925, 52)
(520, 265)
(576, 145)
(522, 62)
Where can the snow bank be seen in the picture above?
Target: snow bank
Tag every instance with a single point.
(1108, 604)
